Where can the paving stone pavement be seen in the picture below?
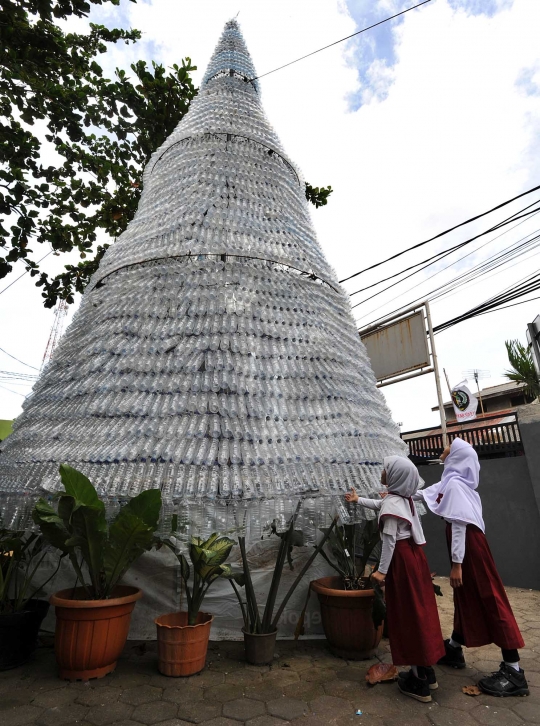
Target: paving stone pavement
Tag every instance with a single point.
(304, 686)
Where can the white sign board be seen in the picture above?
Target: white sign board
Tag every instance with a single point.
(399, 347)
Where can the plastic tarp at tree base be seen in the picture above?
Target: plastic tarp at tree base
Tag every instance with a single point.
(156, 573)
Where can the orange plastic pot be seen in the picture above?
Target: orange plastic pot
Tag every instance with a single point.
(347, 619)
(91, 634)
(181, 647)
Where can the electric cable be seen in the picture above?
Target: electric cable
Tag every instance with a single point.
(358, 32)
(439, 257)
(16, 392)
(444, 253)
(438, 272)
(24, 273)
(18, 360)
(530, 284)
(441, 234)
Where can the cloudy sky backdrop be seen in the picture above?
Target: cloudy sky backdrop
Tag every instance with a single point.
(417, 125)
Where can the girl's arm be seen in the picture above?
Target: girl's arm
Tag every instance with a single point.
(388, 537)
(457, 549)
(353, 498)
(370, 503)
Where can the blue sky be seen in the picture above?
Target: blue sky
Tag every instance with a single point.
(374, 54)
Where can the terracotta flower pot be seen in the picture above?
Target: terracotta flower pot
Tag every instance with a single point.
(91, 634)
(346, 618)
(259, 647)
(182, 647)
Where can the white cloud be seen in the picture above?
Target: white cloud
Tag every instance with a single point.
(454, 135)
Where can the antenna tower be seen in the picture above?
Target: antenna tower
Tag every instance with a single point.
(478, 375)
(56, 331)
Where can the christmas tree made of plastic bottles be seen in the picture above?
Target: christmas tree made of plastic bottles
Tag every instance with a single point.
(214, 354)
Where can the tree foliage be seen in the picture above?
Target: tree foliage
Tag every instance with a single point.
(522, 367)
(318, 196)
(97, 133)
(73, 144)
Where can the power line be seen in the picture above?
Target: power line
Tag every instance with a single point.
(18, 360)
(439, 255)
(24, 273)
(513, 305)
(438, 272)
(441, 234)
(530, 284)
(358, 32)
(476, 275)
(16, 392)
(14, 376)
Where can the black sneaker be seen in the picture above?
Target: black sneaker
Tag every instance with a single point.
(424, 672)
(505, 682)
(414, 687)
(429, 673)
(453, 657)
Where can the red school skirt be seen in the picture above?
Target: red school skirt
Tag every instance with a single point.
(414, 629)
(482, 613)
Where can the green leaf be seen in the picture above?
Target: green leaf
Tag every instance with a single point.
(146, 506)
(220, 549)
(78, 486)
(130, 534)
(50, 525)
(89, 528)
(184, 567)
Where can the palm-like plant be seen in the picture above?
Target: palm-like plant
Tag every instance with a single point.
(523, 370)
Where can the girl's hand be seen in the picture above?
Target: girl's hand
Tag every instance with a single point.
(351, 496)
(456, 578)
(378, 577)
(383, 494)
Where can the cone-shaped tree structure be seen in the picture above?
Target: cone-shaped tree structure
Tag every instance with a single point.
(214, 354)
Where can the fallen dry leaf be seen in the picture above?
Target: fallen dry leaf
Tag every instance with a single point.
(471, 691)
(381, 673)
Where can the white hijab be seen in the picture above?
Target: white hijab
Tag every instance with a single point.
(455, 496)
(403, 480)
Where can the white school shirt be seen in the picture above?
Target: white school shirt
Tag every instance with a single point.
(393, 529)
(459, 531)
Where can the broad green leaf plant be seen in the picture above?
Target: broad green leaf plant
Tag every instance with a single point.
(100, 553)
(208, 563)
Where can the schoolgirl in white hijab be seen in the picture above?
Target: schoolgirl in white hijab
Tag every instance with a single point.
(411, 612)
(482, 613)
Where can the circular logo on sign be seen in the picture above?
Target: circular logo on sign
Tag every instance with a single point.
(461, 400)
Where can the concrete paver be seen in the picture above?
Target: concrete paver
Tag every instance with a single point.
(304, 686)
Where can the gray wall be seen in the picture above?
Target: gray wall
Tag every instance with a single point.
(511, 514)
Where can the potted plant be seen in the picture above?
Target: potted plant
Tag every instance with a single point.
(352, 610)
(260, 632)
(21, 612)
(92, 619)
(183, 636)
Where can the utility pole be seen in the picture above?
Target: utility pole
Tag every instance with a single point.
(437, 378)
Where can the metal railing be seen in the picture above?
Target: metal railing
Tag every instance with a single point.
(490, 441)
